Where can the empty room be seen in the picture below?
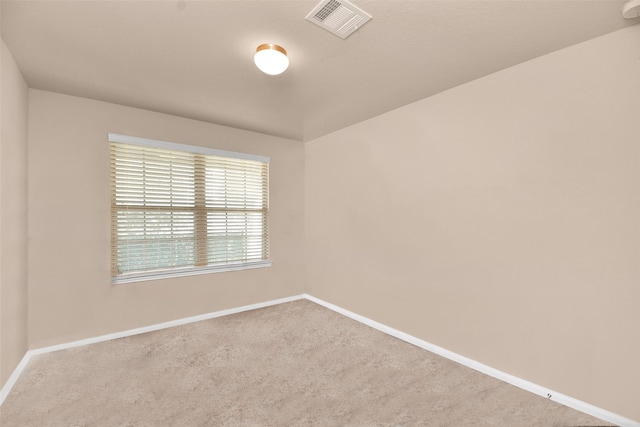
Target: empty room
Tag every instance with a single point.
(305, 212)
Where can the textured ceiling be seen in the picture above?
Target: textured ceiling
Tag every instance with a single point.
(195, 58)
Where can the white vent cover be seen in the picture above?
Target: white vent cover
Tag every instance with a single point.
(338, 17)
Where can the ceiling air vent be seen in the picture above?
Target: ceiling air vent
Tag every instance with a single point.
(338, 17)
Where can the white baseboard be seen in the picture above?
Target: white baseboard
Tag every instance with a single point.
(4, 392)
(488, 370)
(6, 388)
(165, 325)
(495, 373)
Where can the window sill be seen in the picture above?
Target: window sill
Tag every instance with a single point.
(156, 275)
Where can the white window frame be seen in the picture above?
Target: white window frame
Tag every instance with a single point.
(187, 271)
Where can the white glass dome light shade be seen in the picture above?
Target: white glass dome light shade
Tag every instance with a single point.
(271, 59)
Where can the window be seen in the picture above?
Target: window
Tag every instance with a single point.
(180, 210)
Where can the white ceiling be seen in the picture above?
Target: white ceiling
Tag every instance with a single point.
(195, 58)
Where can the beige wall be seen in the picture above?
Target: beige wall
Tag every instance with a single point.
(13, 215)
(70, 295)
(499, 220)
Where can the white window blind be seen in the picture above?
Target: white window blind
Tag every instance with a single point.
(178, 208)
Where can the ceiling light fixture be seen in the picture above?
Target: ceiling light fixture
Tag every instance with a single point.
(271, 59)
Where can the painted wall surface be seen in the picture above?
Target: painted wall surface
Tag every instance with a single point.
(70, 295)
(13, 215)
(499, 220)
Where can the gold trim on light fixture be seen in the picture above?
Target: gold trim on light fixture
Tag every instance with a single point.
(271, 46)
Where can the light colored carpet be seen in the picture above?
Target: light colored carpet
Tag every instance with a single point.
(293, 364)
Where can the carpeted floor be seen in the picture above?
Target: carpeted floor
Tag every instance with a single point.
(293, 364)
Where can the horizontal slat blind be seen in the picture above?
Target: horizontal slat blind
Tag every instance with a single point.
(178, 209)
